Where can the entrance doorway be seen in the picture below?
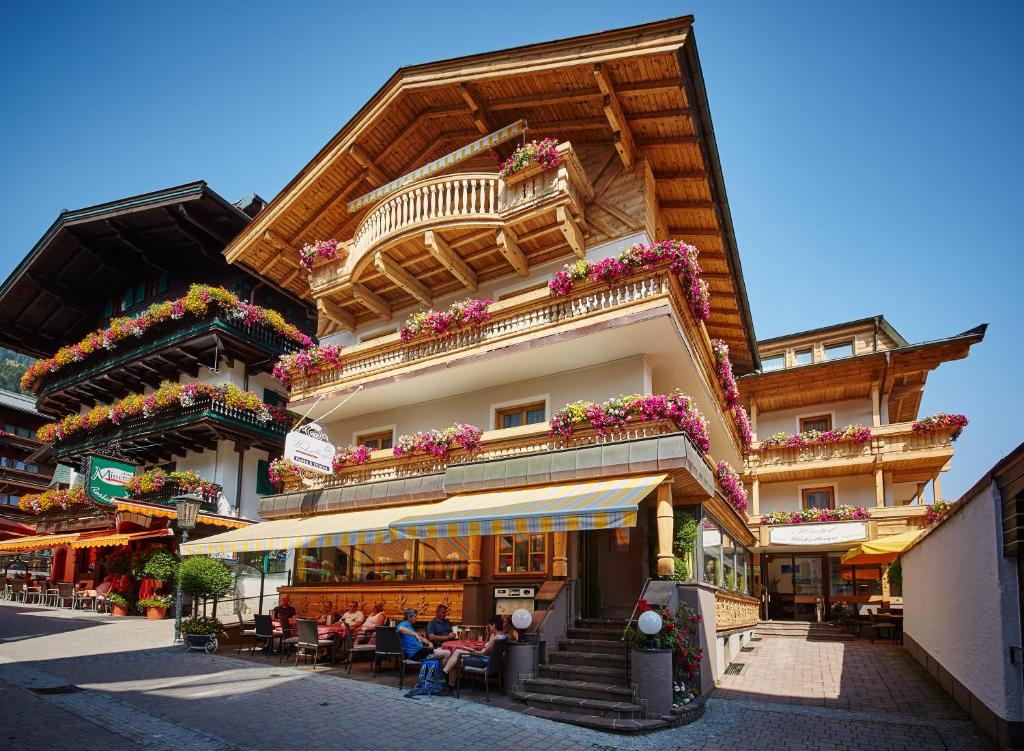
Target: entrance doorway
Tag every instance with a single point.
(796, 587)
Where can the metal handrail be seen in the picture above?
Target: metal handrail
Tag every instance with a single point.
(632, 615)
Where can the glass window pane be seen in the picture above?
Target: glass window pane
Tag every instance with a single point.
(533, 416)
(840, 578)
(712, 541)
(728, 563)
(445, 558)
(803, 357)
(838, 351)
(511, 420)
(775, 362)
(384, 561)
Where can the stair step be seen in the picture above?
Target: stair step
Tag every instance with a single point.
(576, 705)
(607, 724)
(605, 646)
(570, 672)
(594, 659)
(601, 623)
(595, 633)
(579, 689)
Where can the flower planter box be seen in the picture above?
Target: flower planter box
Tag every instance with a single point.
(201, 642)
(118, 610)
(156, 614)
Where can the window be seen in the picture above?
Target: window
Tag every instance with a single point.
(376, 335)
(838, 351)
(818, 498)
(521, 554)
(773, 362)
(108, 308)
(619, 540)
(376, 441)
(25, 432)
(711, 537)
(523, 414)
(263, 484)
(821, 423)
(728, 562)
(803, 357)
(440, 559)
(385, 561)
(272, 398)
(443, 558)
(854, 581)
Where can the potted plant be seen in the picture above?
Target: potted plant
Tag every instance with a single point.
(200, 632)
(155, 606)
(162, 566)
(118, 604)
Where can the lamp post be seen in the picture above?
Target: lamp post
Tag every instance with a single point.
(187, 509)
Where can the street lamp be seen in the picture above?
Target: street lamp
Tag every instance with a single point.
(650, 624)
(187, 509)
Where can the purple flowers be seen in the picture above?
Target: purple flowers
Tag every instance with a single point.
(742, 420)
(681, 259)
(326, 250)
(939, 510)
(732, 486)
(461, 314)
(723, 369)
(545, 153)
(439, 443)
(854, 433)
(942, 421)
(307, 362)
(809, 515)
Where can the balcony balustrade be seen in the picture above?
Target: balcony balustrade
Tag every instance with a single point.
(171, 490)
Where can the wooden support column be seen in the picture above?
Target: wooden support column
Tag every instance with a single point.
(876, 405)
(570, 231)
(559, 559)
(508, 245)
(406, 281)
(879, 487)
(755, 497)
(473, 570)
(622, 137)
(331, 310)
(371, 300)
(666, 532)
(937, 487)
(442, 251)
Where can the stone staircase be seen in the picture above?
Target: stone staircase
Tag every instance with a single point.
(584, 682)
(805, 631)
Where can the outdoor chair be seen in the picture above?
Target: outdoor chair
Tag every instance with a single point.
(388, 647)
(8, 593)
(18, 591)
(353, 649)
(308, 639)
(51, 596)
(265, 633)
(881, 628)
(84, 598)
(65, 597)
(244, 632)
(493, 669)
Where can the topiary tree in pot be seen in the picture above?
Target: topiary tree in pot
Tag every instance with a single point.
(202, 579)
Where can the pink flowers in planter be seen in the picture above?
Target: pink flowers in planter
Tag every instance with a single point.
(742, 420)
(350, 456)
(854, 433)
(461, 314)
(732, 486)
(307, 362)
(439, 443)
(681, 259)
(325, 250)
(614, 414)
(941, 421)
(939, 510)
(809, 515)
(281, 469)
(545, 153)
(723, 369)
(55, 499)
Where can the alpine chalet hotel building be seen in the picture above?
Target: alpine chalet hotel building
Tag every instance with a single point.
(488, 446)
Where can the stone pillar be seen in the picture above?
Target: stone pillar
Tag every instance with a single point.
(559, 559)
(473, 570)
(666, 531)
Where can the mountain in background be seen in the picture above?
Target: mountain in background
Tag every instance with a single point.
(12, 365)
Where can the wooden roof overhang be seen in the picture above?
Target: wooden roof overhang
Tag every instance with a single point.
(627, 100)
(56, 294)
(900, 375)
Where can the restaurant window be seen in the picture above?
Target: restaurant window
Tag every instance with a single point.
(320, 565)
(383, 561)
(711, 538)
(728, 562)
(838, 351)
(263, 484)
(803, 357)
(820, 423)
(522, 414)
(521, 554)
(774, 362)
(818, 498)
(443, 558)
(376, 441)
(854, 581)
(742, 571)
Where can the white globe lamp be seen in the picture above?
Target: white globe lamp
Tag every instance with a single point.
(522, 619)
(650, 624)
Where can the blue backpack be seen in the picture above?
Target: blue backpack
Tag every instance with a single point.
(431, 680)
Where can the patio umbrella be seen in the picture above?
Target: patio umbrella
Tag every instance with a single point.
(881, 551)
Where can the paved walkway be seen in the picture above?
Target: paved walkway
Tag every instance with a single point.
(120, 686)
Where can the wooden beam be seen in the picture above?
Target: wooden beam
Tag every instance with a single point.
(683, 176)
(480, 117)
(695, 231)
(670, 205)
(340, 197)
(618, 213)
(669, 114)
(371, 300)
(336, 313)
(668, 141)
(371, 166)
(405, 281)
(280, 244)
(508, 246)
(623, 137)
(442, 251)
(567, 225)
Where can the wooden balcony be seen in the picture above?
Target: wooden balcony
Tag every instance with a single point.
(451, 215)
(896, 448)
(175, 347)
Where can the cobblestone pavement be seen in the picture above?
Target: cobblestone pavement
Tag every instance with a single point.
(138, 693)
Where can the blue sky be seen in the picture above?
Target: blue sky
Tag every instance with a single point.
(872, 157)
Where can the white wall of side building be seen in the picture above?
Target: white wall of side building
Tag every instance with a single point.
(961, 603)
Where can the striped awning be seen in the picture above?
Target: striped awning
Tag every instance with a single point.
(552, 508)
(324, 531)
(115, 539)
(170, 512)
(37, 542)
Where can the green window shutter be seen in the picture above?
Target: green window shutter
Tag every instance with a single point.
(263, 484)
(271, 397)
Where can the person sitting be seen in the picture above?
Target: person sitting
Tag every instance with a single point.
(328, 616)
(414, 646)
(103, 590)
(376, 618)
(439, 628)
(284, 612)
(476, 657)
(353, 617)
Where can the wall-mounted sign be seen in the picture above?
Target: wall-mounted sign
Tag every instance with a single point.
(310, 450)
(107, 479)
(818, 534)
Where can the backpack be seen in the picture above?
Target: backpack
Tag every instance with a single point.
(431, 680)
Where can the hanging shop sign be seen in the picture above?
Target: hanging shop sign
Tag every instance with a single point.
(309, 448)
(818, 533)
(107, 479)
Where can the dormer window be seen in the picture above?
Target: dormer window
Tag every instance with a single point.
(803, 357)
(773, 362)
(838, 351)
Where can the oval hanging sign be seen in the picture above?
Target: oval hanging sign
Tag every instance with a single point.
(309, 451)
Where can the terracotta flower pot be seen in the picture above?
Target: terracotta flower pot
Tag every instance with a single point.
(118, 610)
(156, 614)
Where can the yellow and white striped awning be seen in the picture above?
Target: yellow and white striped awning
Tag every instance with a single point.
(36, 542)
(115, 539)
(553, 508)
(327, 530)
(170, 512)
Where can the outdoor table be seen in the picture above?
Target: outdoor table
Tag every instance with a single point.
(454, 644)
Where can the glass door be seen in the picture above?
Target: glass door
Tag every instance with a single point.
(808, 587)
(778, 579)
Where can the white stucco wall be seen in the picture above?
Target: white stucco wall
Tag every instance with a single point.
(853, 490)
(850, 412)
(961, 604)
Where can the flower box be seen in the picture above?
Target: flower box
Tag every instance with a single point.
(201, 643)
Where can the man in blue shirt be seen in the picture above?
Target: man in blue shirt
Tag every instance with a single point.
(439, 629)
(414, 646)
